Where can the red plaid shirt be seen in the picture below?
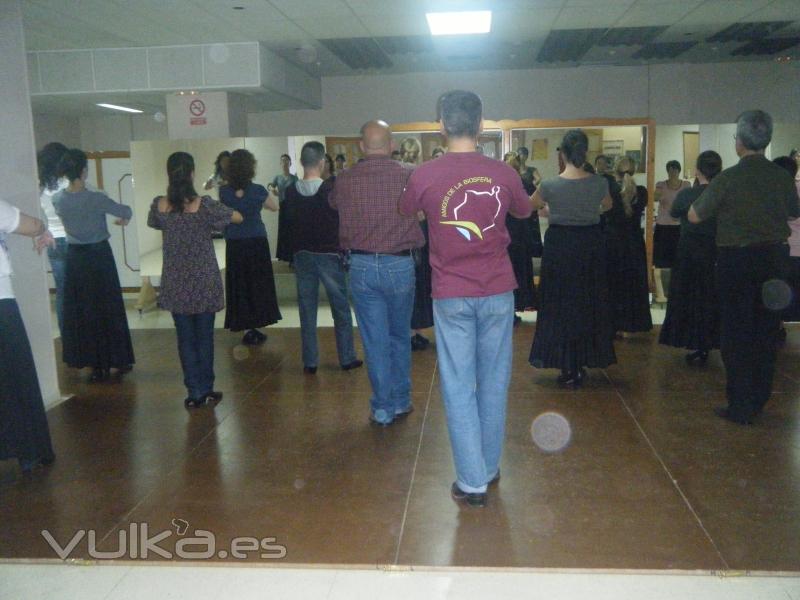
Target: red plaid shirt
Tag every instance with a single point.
(366, 197)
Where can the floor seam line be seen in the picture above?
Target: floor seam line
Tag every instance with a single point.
(668, 472)
(416, 463)
(125, 517)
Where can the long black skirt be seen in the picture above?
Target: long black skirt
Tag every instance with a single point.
(422, 315)
(96, 330)
(573, 328)
(251, 300)
(628, 287)
(283, 249)
(665, 245)
(792, 312)
(693, 311)
(23, 425)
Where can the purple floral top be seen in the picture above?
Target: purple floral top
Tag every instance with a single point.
(190, 278)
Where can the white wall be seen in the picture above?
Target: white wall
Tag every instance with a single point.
(57, 128)
(669, 146)
(671, 94)
(18, 172)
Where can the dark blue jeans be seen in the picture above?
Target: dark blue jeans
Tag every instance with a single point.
(196, 349)
(310, 269)
(58, 263)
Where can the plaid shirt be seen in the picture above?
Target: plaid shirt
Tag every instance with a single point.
(366, 197)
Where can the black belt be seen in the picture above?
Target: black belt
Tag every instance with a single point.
(401, 253)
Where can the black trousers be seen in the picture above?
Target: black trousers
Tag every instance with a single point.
(748, 329)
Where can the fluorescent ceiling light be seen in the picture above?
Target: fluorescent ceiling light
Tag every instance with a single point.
(122, 108)
(455, 23)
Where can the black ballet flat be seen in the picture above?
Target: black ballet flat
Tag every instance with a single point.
(572, 379)
(194, 402)
(213, 397)
(98, 375)
(125, 369)
(699, 357)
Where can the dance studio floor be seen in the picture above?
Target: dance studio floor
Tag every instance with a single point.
(648, 479)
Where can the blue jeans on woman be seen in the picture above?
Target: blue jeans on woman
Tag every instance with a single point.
(310, 268)
(383, 297)
(196, 350)
(58, 264)
(473, 345)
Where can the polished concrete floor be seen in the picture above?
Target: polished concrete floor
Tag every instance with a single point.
(648, 478)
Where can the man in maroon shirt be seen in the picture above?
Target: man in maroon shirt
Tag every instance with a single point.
(465, 197)
(379, 240)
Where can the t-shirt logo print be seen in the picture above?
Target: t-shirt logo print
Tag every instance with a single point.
(474, 217)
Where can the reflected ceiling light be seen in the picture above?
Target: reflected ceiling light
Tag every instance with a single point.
(122, 108)
(459, 23)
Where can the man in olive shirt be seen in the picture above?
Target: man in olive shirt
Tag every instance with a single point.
(752, 202)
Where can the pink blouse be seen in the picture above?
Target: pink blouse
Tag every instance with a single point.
(666, 197)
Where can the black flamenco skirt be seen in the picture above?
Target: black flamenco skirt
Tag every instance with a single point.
(95, 332)
(792, 313)
(522, 263)
(573, 328)
(693, 312)
(283, 249)
(422, 315)
(665, 245)
(24, 433)
(628, 286)
(251, 300)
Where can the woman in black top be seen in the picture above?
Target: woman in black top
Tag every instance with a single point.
(693, 317)
(628, 287)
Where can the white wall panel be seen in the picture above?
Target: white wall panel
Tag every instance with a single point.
(176, 67)
(66, 71)
(121, 69)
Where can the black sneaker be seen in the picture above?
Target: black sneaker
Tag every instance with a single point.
(472, 499)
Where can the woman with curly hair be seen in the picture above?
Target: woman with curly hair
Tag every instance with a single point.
(249, 282)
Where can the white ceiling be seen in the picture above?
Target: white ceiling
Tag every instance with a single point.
(295, 29)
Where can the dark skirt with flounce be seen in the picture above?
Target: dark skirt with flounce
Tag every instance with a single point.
(251, 300)
(95, 330)
(422, 315)
(665, 245)
(573, 327)
(24, 433)
(693, 312)
(628, 286)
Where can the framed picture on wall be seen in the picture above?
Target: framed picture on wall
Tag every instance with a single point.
(613, 148)
(346, 146)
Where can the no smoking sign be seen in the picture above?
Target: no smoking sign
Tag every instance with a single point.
(197, 109)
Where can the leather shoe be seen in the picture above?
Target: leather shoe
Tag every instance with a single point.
(310, 370)
(352, 365)
(725, 413)
(472, 499)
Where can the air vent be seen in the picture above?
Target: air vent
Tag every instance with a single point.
(747, 32)
(630, 36)
(663, 50)
(765, 47)
(565, 45)
(412, 44)
(358, 53)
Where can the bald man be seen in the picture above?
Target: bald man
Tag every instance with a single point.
(379, 241)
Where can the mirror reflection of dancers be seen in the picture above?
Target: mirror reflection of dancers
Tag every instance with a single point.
(278, 186)
(626, 253)
(422, 315)
(522, 247)
(252, 301)
(219, 177)
(693, 317)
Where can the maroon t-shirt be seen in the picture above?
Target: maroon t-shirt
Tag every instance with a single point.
(465, 197)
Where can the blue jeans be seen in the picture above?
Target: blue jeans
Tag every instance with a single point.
(383, 297)
(196, 349)
(473, 345)
(310, 268)
(58, 263)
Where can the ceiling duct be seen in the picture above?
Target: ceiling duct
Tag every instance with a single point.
(663, 50)
(568, 45)
(359, 53)
(630, 36)
(747, 32)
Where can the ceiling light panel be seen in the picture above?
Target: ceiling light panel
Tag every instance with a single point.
(459, 23)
